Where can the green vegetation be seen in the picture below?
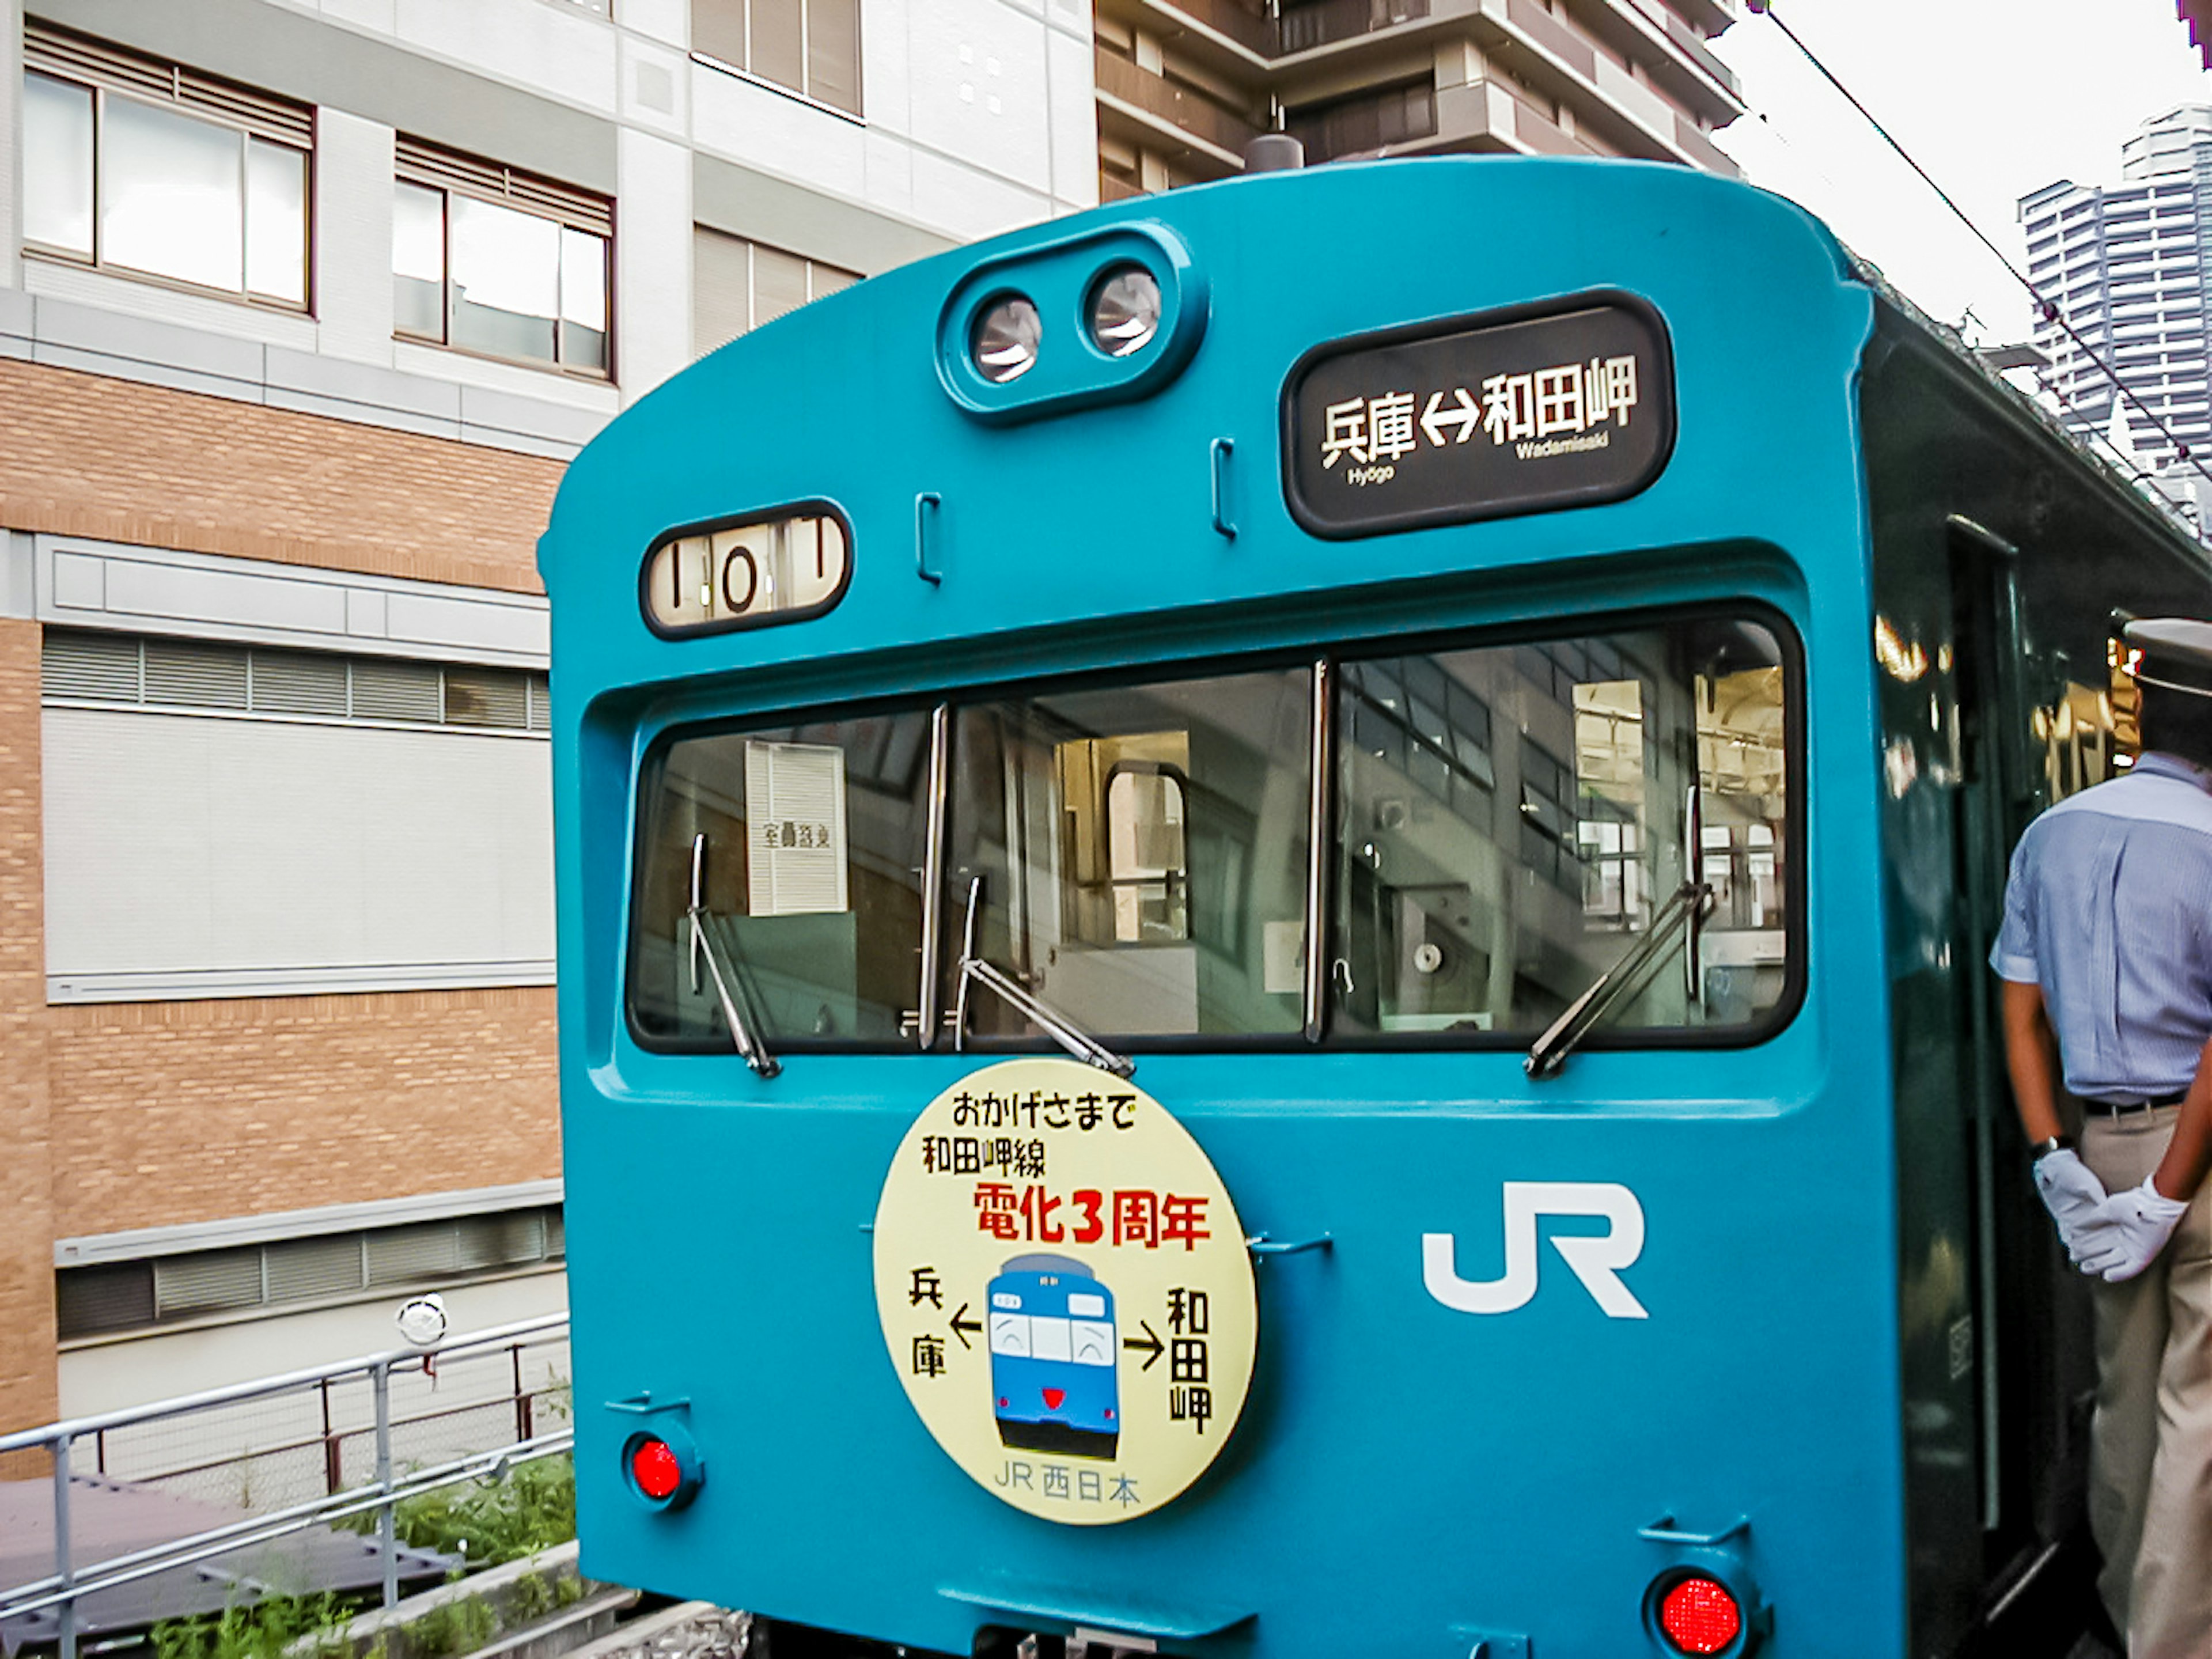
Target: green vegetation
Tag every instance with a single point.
(261, 1630)
(530, 1508)
(460, 1626)
(519, 1513)
(529, 1599)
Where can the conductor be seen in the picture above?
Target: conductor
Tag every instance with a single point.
(2106, 954)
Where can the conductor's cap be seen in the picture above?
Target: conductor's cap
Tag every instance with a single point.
(2177, 652)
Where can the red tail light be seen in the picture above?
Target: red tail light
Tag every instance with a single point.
(661, 1465)
(1699, 1615)
(656, 1468)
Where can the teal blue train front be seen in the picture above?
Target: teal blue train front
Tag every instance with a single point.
(1504, 689)
(1053, 1358)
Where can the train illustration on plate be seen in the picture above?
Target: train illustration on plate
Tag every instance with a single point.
(1052, 1350)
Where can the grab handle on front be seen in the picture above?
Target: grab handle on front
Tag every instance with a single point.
(1221, 450)
(925, 507)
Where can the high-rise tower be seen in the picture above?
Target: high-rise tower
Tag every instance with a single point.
(2124, 265)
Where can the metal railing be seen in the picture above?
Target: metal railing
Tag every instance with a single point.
(301, 1451)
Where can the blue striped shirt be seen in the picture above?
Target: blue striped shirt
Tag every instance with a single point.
(2109, 909)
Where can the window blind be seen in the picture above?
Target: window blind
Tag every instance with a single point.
(79, 57)
(421, 163)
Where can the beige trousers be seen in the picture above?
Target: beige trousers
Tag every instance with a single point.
(2150, 1446)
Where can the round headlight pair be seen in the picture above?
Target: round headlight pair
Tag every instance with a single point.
(1122, 317)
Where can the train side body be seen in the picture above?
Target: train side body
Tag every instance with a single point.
(1406, 1476)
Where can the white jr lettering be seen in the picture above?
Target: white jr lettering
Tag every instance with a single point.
(1597, 1259)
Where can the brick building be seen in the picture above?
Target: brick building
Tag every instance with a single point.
(303, 304)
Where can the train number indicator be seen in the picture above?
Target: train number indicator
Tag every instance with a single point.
(707, 578)
(1479, 417)
(1064, 1291)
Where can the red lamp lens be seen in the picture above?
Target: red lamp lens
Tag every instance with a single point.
(655, 1467)
(1700, 1616)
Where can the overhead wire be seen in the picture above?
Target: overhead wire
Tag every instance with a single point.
(2045, 308)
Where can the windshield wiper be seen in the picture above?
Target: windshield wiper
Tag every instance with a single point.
(1057, 1026)
(702, 948)
(1549, 1052)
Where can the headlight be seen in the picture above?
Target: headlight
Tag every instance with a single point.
(1125, 310)
(1005, 343)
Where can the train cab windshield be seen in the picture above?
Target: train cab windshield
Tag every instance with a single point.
(1504, 823)
(1513, 818)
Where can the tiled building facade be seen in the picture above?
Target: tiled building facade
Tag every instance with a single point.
(303, 305)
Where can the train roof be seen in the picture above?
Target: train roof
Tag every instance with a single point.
(1099, 520)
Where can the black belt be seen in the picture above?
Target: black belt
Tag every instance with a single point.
(2114, 1108)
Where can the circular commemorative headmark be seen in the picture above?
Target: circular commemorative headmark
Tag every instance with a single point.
(1064, 1291)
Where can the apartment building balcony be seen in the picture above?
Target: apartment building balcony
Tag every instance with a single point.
(1249, 28)
(1326, 23)
(1165, 113)
(1234, 38)
(1626, 116)
(1480, 116)
(1714, 14)
(1389, 121)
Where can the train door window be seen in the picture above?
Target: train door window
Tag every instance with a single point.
(1481, 885)
(1146, 872)
(1142, 854)
(810, 881)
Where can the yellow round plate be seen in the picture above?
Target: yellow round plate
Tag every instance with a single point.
(1064, 1291)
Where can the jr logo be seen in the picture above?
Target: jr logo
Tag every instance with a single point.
(1596, 1258)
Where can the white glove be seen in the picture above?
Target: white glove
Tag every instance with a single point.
(2072, 1194)
(2132, 1228)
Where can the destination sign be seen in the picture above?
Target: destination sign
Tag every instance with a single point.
(1478, 418)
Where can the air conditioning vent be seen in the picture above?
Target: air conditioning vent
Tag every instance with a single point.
(395, 691)
(207, 1281)
(94, 667)
(299, 683)
(301, 1268)
(487, 697)
(196, 676)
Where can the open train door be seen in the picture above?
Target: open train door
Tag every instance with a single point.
(2034, 1357)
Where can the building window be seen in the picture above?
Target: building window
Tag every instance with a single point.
(811, 46)
(488, 259)
(135, 165)
(737, 286)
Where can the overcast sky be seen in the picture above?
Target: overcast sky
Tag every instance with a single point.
(1995, 98)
